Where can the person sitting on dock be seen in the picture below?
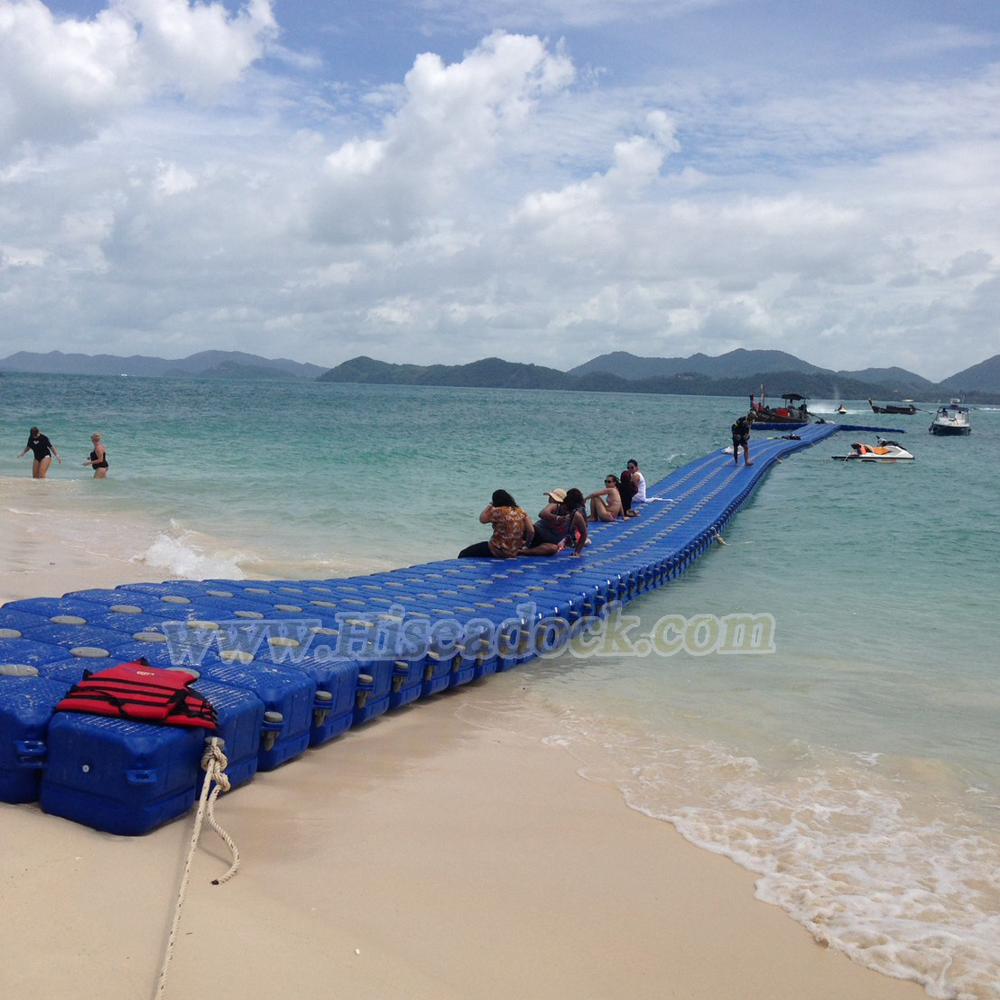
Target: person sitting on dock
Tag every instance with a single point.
(609, 509)
(626, 490)
(552, 517)
(638, 481)
(562, 523)
(741, 439)
(512, 530)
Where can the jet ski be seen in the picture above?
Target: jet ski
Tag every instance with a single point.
(884, 451)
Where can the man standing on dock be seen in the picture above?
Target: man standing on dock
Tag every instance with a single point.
(741, 439)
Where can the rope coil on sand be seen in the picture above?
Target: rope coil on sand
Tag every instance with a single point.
(213, 763)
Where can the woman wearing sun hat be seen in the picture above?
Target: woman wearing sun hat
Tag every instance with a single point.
(561, 523)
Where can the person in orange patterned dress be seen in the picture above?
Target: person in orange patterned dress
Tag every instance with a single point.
(512, 530)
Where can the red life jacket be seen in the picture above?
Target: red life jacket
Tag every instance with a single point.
(141, 693)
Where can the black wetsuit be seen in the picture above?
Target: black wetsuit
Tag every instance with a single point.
(41, 446)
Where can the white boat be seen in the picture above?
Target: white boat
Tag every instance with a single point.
(952, 419)
(884, 451)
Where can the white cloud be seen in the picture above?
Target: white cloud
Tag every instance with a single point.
(172, 179)
(538, 14)
(493, 203)
(199, 48)
(61, 78)
(924, 40)
(11, 257)
(448, 124)
(588, 213)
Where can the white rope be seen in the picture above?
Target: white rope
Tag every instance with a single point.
(214, 764)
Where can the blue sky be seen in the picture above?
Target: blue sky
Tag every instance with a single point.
(540, 180)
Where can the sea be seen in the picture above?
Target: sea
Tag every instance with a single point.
(854, 769)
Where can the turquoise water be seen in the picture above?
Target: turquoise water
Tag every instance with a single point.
(854, 768)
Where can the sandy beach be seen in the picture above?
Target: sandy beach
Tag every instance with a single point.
(445, 851)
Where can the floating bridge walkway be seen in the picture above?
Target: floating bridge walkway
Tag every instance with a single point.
(289, 665)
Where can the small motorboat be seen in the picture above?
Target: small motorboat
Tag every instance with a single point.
(884, 451)
(794, 412)
(841, 409)
(952, 419)
(909, 409)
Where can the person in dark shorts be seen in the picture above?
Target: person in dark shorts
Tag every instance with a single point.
(741, 439)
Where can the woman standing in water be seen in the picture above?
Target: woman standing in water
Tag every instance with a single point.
(43, 449)
(98, 460)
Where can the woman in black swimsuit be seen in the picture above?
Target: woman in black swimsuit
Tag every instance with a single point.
(43, 449)
(98, 460)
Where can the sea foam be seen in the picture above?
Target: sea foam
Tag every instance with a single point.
(191, 555)
(849, 845)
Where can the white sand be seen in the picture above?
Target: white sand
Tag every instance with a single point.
(442, 852)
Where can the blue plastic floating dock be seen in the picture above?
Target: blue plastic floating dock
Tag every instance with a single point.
(290, 665)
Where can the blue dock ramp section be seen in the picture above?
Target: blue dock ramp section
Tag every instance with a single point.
(293, 664)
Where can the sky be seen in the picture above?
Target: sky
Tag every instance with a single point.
(545, 181)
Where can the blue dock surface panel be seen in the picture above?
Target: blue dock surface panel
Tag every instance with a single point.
(291, 665)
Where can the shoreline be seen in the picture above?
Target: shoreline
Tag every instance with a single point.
(425, 855)
(49, 546)
(447, 851)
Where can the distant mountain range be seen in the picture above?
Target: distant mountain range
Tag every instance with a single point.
(737, 364)
(206, 364)
(737, 373)
(984, 377)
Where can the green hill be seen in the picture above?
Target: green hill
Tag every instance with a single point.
(498, 374)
